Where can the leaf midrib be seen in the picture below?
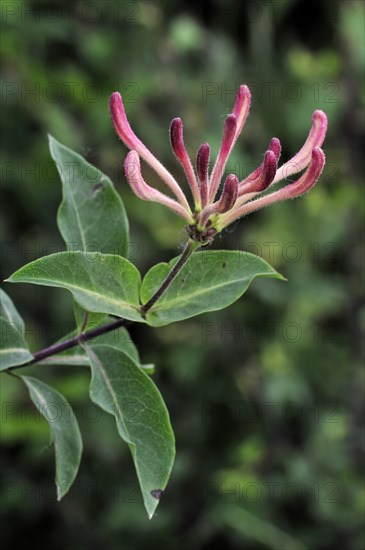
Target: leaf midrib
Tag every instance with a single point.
(111, 391)
(77, 218)
(202, 291)
(15, 350)
(107, 298)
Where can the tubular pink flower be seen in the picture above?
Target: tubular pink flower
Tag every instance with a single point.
(241, 108)
(229, 194)
(178, 146)
(275, 147)
(202, 169)
(263, 180)
(237, 198)
(226, 201)
(299, 187)
(302, 158)
(127, 135)
(144, 191)
(229, 134)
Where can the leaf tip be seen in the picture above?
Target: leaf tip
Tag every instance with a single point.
(156, 493)
(59, 493)
(50, 138)
(281, 277)
(12, 278)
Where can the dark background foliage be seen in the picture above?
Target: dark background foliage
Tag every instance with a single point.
(266, 396)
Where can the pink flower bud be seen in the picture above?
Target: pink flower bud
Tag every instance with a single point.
(275, 147)
(177, 138)
(202, 168)
(265, 177)
(237, 199)
(226, 201)
(241, 108)
(178, 146)
(299, 187)
(229, 134)
(229, 195)
(229, 131)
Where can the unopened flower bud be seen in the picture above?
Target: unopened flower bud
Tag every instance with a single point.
(265, 176)
(178, 146)
(202, 168)
(295, 189)
(275, 147)
(229, 194)
(229, 133)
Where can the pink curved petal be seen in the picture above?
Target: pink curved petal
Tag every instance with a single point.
(132, 168)
(127, 135)
(302, 158)
(299, 187)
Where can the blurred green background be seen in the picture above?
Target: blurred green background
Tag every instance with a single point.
(266, 397)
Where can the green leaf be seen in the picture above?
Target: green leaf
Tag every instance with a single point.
(121, 388)
(64, 431)
(101, 283)
(13, 349)
(210, 280)
(91, 217)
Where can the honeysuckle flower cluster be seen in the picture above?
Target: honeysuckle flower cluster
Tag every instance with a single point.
(238, 198)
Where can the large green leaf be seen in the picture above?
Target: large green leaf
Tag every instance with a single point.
(121, 388)
(91, 216)
(64, 431)
(13, 349)
(102, 283)
(209, 281)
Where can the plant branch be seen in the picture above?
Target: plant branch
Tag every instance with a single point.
(187, 252)
(72, 342)
(189, 248)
